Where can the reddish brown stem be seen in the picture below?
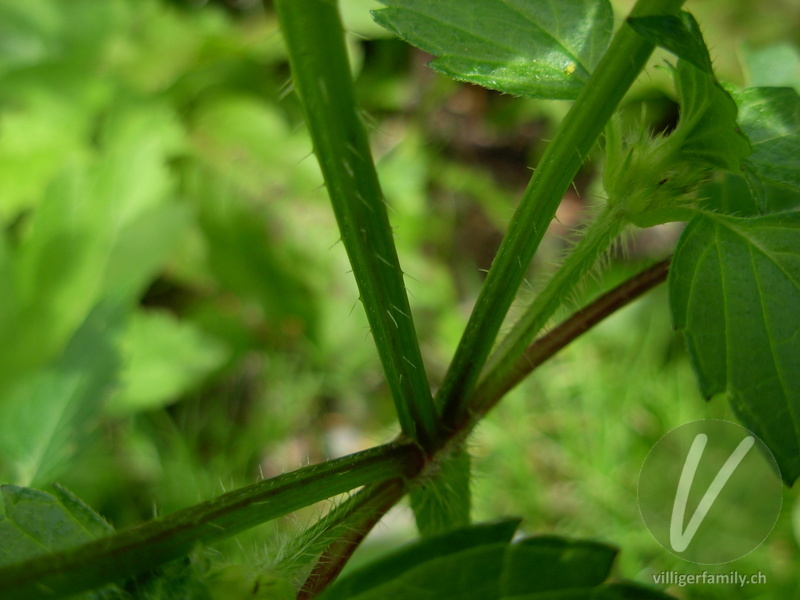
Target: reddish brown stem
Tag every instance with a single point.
(378, 499)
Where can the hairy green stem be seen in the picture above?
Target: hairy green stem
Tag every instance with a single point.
(579, 262)
(305, 549)
(372, 503)
(156, 542)
(612, 77)
(315, 39)
(492, 388)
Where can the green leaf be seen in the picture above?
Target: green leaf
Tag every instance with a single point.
(527, 47)
(732, 194)
(629, 591)
(444, 502)
(45, 415)
(680, 34)
(38, 134)
(654, 179)
(707, 131)
(537, 565)
(140, 249)
(481, 563)
(33, 522)
(101, 231)
(771, 119)
(776, 65)
(442, 549)
(734, 290)
(164, 357)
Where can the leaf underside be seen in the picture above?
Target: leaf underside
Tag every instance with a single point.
(531, 48)
(734, 292)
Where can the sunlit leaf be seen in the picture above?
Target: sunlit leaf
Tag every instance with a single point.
(102, 230)
(163, 358)
(527, 47)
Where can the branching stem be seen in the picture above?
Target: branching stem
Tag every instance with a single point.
(491, 390)
(616, 71)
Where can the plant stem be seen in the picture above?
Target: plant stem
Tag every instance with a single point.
(315, 39)
(492, 389)
(314, 36)
(372, 504)
(156, 542)
(579, 262)
(612, 77)
(152, 544)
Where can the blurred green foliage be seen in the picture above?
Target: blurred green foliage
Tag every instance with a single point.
(176, 316)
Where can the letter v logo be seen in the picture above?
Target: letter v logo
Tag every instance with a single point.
(680, 539)
(709, 491)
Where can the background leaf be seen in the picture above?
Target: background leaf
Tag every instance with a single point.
(527, 47)
(103, 229)
(776, 65)
(163, 358)
(734, 290)
(47, 414)
(246, 259)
